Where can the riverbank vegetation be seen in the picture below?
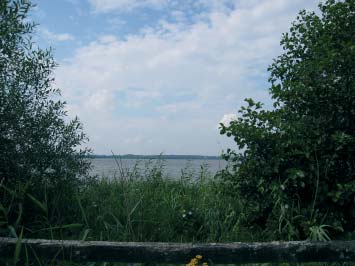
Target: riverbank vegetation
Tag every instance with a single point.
(134, 206)
(297, 168)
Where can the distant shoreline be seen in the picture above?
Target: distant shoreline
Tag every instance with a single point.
(163, 157)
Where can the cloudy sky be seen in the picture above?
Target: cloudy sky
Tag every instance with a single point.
(157, 76)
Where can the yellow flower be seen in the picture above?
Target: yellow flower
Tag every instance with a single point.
(193, 262)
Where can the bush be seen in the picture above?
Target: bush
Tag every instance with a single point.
(295, 167)
(39, 151)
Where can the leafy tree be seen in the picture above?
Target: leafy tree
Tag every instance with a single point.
(39, 147)
(295, 168)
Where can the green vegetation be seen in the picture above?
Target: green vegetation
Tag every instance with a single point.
(295, 171)
(292, 177)
(152, 207)
(39, 150)
(139, 205)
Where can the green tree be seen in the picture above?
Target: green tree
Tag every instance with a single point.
(295, 168)
(40, 150)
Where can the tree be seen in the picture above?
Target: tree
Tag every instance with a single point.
(39, 149)
(295, 169)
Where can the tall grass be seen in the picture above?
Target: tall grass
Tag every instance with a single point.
(141, 203)
(144, 205)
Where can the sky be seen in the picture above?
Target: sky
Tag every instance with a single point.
(158, 76)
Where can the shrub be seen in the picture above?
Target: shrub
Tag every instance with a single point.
(39, 149)
(295, 167)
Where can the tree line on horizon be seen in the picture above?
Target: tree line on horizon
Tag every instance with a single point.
(157, 157)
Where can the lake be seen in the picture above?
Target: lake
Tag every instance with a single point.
(174, 168)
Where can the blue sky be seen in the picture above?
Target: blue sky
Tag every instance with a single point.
(153, 76)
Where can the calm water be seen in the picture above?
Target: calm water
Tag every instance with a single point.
(172, 168)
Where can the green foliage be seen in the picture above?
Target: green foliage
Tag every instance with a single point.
(142, 204)
(39, 148)
(295, 167)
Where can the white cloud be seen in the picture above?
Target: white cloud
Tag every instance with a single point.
(215, 62)
(124, 5)
(116, 23)
(56, 37)
(137, 98)
(101, 100)
(227, 119)
(129, 5)
(190, 107)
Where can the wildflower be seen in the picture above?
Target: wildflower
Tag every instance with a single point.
(195, 261)
(205, 264)
(190, 212)
(184, 215)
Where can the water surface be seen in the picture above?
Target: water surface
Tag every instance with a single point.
(174, 168)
